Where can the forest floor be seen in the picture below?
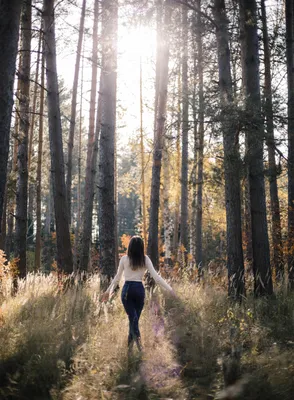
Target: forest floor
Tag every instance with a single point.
(63, 344)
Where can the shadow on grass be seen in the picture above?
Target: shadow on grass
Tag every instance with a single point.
(38, 341)
(196, 346)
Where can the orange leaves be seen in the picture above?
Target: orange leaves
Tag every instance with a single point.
(125, 240)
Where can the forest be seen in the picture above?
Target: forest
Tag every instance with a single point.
(171, 120)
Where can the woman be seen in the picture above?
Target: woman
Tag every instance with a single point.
(134, 265)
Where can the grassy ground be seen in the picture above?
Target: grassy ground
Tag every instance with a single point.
(57, 344)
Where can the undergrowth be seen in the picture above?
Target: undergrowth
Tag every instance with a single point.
(63, 344)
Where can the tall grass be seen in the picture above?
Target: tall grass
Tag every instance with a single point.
(57, 344)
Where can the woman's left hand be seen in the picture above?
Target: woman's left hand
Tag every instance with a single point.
(105, 297)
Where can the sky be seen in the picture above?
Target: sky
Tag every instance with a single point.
(135, 43)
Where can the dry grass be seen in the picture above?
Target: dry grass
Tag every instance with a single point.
(61, 345)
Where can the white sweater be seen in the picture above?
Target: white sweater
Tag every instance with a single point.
(136, 275)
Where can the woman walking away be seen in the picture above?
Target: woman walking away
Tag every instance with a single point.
(134, 265)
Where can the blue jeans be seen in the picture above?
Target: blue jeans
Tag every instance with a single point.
(132, 297)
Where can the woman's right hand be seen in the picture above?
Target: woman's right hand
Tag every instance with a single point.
(173, 294)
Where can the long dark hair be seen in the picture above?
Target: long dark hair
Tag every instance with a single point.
(136, 253)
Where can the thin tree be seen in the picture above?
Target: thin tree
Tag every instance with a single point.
(30, 230)
(39, 166)
(143, 194)
(73, 110)
(158, 140)
(178, 169)
(24, 125)
(270, 141)
(232, 164)
(199, 195)
(78, 222)
(9, 34)
(195, 150)
(64, 254)
(290, 75)
(255, 134)
(185, 131)
(90, 167)
(106, 181)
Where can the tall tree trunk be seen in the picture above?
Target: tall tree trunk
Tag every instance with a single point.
(78, 222)
(247, 201)
(32, 126)
(235, 263)
(158, 141)
(270, 141)
(4, 222)
(24, 125)
(195, 151)
(167, 222)
(64, 254)
(185, 131)
(159, 13)
(106, 194)
(254, 130)
(11, 216)
(39, 167)
(198, 239)
(9, 33)
(73, 110)
(178, 172)
(290, 74)
(30, 233)
(86, 234)
(144, 230)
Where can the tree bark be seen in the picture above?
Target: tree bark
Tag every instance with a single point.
(178, 172)
(254, 131)
(79, 197)
(39, 167)
(158, 142)
(64, 254)
(86, 234)
(195, 158)
(232, 164)
(185, 131)
(9, 34)
(4, 222)
(106, 212)
(144, 230)
(24, 125)
(290, 74)
(270, 141)
(198, 238)
(73, 109)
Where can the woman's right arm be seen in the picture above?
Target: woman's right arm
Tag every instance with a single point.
(117, 277)
(158, 279)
